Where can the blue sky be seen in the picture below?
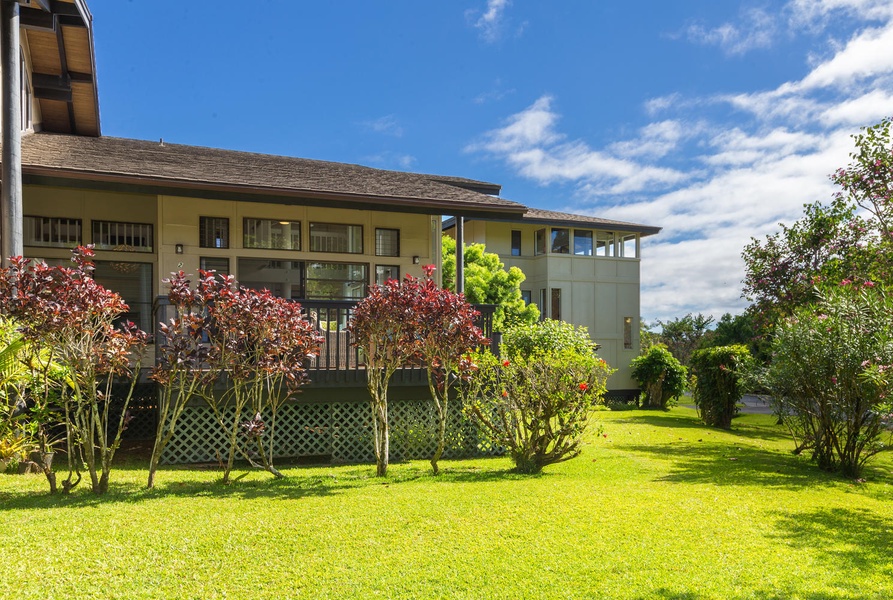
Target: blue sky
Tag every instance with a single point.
(715, 120)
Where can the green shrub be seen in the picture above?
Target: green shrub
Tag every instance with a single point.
(547, 336)
(660, 376)
(718, 375)
(830, 377)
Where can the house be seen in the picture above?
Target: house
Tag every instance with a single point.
(315, 231)
(580, 269)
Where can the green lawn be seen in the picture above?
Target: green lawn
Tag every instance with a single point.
(660, 508)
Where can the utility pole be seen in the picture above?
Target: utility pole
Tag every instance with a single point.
(11, 122)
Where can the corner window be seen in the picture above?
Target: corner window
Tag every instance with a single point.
(516, 243)
(51, 232)
(540, 245)
(629, 246)
(582, 243)
(334, 237)
(271, 234)
(125, 237)
(213, 232)
(385, 272)
(387, 242)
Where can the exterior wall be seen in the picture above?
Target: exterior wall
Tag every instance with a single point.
(597, 292)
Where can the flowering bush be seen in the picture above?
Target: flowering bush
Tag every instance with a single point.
(536, 402)
(830, 376)
(719, 374)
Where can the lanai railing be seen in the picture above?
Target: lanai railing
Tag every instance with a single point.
(340, 363)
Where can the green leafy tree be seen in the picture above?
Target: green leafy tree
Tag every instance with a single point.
(488, 282)
(682, 336)
(660, 375)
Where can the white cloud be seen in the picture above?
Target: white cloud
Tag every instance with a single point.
(388, 125)
(756, 29)
(713, 179)
(391, 160)
(490, 23)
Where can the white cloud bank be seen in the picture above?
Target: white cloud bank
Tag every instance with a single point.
(738, 181)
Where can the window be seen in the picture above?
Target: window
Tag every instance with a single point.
(556, 304)
(385, 272)
(51, 232)
(540, 245)
(628, 245)
(627, 333)
(516, 243)
(334, 237)
(25, 98)
(604, 243)
(336, 281)
(561, 241)
(284, 278)
(542, 305)
(133, 281)
(387, 242)
(214, 263)
(271, 234)
(582, 243)
(526, 296)
(213, 232)
(128, 237)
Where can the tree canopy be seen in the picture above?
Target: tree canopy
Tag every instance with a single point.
(488, 282)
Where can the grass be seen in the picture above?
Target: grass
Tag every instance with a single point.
(662, 507)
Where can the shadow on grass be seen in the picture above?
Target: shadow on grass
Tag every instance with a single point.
(295, 485)
(847, 540)
(727, 464)
(744, 426)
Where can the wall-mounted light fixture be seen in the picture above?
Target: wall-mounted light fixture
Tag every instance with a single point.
(416, 260)
(178, 248)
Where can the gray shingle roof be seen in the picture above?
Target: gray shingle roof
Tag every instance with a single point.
(551, 217)
(164, 164)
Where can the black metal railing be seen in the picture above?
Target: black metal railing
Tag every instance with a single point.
(340, 362)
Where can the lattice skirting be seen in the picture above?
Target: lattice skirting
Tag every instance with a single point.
(339, 431)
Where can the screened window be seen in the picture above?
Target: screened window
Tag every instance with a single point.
(213, 232)
(387, 242)
(335, 237)
(556, 304)
(214, 263)
(271, 234)
(284, 278)
(133, 281)
(604, 243)
(51, 232)
(582, 243)
(385, 272)
(336, 281)
(516, 243)
(129, 237)
(560, 241)
(540, 245)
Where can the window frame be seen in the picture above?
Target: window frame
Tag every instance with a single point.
(516, 242)
(360, 250)
(202, 231)
(116, 248)
(52, 220)
(583, 234)
(393, 230)
(280, 222)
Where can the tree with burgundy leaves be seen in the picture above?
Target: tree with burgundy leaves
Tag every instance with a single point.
(384, 326)
(446, 335)
(66, 311)
(258, 346)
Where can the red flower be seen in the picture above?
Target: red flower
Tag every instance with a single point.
(584, 386)
(505, 363)
(505, 394)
